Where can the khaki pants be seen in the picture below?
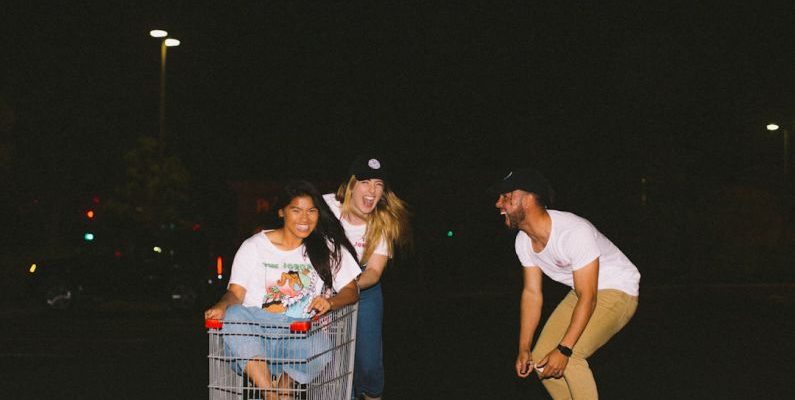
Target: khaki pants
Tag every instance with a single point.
(614, 309)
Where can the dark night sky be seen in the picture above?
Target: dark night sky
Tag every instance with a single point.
(586, 92)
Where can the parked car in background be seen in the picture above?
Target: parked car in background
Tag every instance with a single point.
(181, 270)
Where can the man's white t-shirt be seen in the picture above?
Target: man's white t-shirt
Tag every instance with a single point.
(355, 233)
(282, 281)
(573, 243)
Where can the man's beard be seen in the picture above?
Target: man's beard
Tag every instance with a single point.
(515, 218)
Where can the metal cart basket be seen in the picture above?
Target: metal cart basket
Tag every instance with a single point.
(325, 359)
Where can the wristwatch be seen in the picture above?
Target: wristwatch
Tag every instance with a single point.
(566, 351)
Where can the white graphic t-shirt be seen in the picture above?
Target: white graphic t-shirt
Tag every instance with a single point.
(355, 233)
(282, 281)
(573, 243)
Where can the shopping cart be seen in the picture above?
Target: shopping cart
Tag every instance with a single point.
(325, 359)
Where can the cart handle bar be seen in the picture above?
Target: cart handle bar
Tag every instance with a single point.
(297, 326)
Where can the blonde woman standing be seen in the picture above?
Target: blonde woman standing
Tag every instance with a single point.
(376, 223)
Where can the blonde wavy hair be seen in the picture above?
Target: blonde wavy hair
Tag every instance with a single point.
(389, 220)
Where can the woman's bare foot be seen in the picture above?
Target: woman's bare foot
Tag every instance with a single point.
(284, 384)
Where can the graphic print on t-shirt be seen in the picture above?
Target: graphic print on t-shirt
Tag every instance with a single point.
(359, 245)
(289, 288)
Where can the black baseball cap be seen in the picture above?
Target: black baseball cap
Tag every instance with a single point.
(527, 179)
(368, 167)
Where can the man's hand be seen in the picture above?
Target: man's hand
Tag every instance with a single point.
(554, 364)
(524, 364)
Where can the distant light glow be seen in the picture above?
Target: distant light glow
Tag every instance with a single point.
(220, 277)
(88, 236)
(772, 127)
(219, 266)
(449, 234)
(90, 214)
(158, 33)
(157, 249)
(171, 42)
(32, 268)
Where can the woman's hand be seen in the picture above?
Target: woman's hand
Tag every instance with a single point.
(321, 304)
(233, 295)
(349, 294)
(215, 312)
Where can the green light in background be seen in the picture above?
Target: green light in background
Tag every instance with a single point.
(449, 234)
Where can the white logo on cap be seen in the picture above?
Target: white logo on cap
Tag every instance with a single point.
(374, 164)
(508, 176)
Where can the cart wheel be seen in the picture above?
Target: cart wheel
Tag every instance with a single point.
(58, 295)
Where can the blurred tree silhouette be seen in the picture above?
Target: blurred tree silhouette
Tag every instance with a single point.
(155, 192)
(8, 194)
(7, 120)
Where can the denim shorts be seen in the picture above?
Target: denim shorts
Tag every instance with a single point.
(253, 333)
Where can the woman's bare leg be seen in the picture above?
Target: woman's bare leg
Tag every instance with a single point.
(257, 371)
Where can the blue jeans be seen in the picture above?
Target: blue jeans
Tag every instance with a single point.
(368, 370)
(265, 336)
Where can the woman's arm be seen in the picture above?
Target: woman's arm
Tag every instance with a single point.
(233, 295)
(372, 273)
(349, 294)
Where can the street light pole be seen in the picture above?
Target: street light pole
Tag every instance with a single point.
(165, 43)
(785, 133)
(786, 156)
(162, 120)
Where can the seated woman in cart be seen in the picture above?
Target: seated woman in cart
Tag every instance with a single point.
(305, 267)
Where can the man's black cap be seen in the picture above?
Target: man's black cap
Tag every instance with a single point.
(527, 179)
(368, 167)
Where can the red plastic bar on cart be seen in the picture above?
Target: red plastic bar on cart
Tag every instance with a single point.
(300, 326)
(213, 324)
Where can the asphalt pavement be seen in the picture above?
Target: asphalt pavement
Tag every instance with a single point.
(685, 342)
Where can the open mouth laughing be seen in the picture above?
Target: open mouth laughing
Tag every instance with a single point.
(369, 201)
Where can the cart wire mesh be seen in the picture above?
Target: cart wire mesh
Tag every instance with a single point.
(306, 360)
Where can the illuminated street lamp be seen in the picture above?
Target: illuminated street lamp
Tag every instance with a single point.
(772, 127)
(157, 33)
(165, 43)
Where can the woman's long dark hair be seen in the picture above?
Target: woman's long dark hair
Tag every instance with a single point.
(324, 245)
